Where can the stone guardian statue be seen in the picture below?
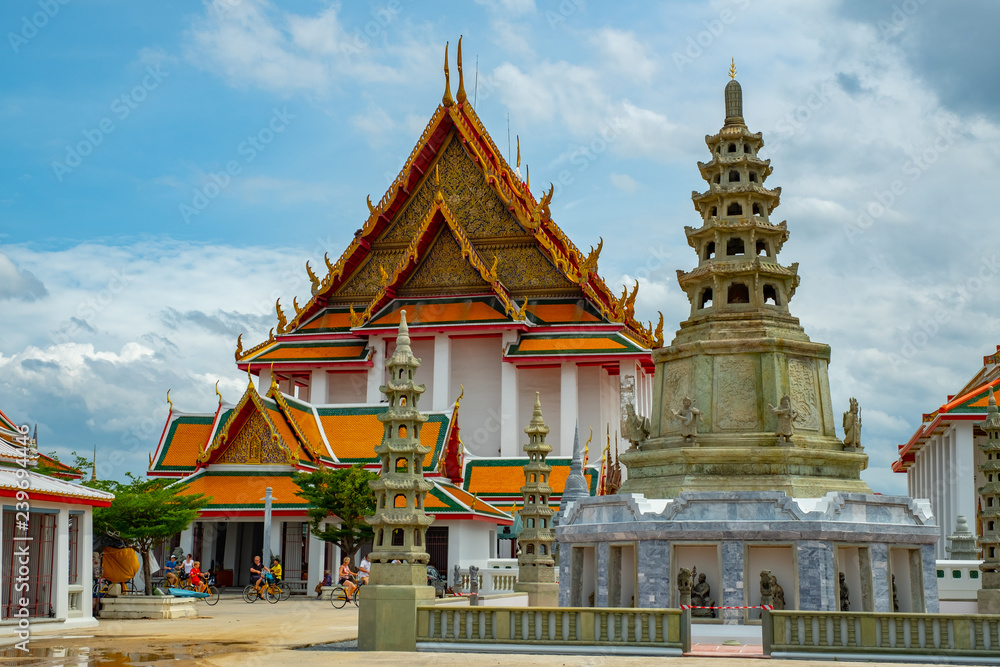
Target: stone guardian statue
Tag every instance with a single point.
(701, 597)
(766, 591)
(852, 428)
(688, 416)
(786, 415)
(636, 428)
(684, 586)
(777, 594)
(845, 594)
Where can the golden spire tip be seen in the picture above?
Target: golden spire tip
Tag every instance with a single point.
(446, 100)
(460, 94)
(732, 69)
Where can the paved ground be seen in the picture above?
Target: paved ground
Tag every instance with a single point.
(236, 634)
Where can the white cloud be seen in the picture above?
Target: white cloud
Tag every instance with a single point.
(624, 182)
(625, 55)
(18, 283)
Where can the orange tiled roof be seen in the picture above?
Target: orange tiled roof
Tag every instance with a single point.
(559, 313)
(186, 438)
(505, 477)
(354, 433)
(317, 352)
(329, 320)
(438, 312)
(240, 489)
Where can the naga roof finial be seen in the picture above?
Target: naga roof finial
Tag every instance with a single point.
(460, 94)
(169, 401)
(447, 99)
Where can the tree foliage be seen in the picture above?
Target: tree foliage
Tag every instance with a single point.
(144, 513)
(345, 494)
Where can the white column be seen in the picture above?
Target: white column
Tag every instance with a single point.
(951, 481)
(317, 556)
(60, 574)
(376, 374)
(187, 539)
(86, 549)
(263, 384)
(508, 400)
(229, 556)
(569, 403)
(317, 387)
(442, 372)
(276, 523)
(936, 480)
(965, 471)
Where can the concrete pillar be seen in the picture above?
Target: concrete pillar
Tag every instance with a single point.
(229, 555)
(317, 559)
(568, 406)
(263, 382)
(603, 563)
(86, 570)
(276, 524)
(964, 482)
(376, 374)
(509, 432)
(317, 387)
(60, 592)
(187, 539)
(442, 372)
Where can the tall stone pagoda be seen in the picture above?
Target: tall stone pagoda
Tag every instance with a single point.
(388, 612)
(537, 574)
(989, 512)
(741, 397)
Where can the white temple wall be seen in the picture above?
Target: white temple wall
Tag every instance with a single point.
(591, 412)
(547, 382)
(346, 387)
(477, 364)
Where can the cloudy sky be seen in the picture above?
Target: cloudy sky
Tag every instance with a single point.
(168, 169)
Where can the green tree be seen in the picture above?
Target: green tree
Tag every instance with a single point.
(144, 513)
(345, 494)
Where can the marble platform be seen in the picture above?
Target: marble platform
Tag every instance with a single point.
(626, 550)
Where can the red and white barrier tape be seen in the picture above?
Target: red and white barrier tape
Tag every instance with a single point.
(759, 606)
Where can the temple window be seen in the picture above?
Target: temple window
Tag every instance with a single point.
(762, 248)
(706, 298)
(397, 537)
(732, 148)
(401, 465)
(710, 250)
(531, 500)
(734, 246)
(530, 549)
(734, 176)
(989, 502)
(756, 209)
(771, 295)
(717, 179)
(734, 209)
(738, 293)
(753, 177)
(402, 431)
(399, 502)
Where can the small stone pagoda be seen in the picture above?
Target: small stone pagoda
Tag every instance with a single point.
(741, 397)
(398, 583)
(537, 574)
(989, 512)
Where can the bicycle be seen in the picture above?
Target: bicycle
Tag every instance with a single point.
(339, 597)
(213, 593)
(282, 592)
(251, 594)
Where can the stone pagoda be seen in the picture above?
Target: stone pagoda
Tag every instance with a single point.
(741, 397)
(537, 574)
(989, 512)
(388, 614)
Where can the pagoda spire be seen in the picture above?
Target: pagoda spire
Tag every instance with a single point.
(989, 510)
(576, 484)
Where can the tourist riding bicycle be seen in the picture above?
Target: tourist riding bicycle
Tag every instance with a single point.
(257, 571)
(346, 577)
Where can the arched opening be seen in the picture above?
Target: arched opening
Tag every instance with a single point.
(731, 148)
(762, 248)
(771, 295)
(531, 500)
(714, 212)
(402, 401)
(753, 177)
(734, 176)
(706, 298)
(402, 465)
(532, 477)
(991, 525)
(734, 246)
(416, 538)
(541, 549)
(756, 209)
(531, 523)
(710, 250)
(401, 371)
(738, 293)
(734, 209)
(718, 149)
(381, 533)
(402, 431)
(399, 502)
(746, 149)
(717, 179)
(530, 549)
(544, 523)
(397, 537)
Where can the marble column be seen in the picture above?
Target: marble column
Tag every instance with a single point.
(733, 584)
(964, 482)
(317, 556)
(818, 577)
(923, 567)
(376, 374)
(263, 383)
(654, 574)
(569, 404)
(510, 434)
(881, 584)
(86, 572)
(60, 574)
(318, 387)
(603, 563)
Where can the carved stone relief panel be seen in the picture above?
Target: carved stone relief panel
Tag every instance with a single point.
(676, 385)
(736, 393)
(802, 389)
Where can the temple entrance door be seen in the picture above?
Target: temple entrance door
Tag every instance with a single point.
(249, 541)
(437, 548)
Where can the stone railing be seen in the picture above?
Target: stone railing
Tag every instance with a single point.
(853, 634)
(645, 630)
(75, 606)
(498, 577)
(500, 581)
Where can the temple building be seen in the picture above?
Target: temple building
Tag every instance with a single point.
(942, 459)
(500, 305)
(54, 594)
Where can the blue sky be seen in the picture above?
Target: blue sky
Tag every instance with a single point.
(129, 263)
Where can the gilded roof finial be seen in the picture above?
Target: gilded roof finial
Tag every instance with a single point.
(274, 380)
(217, 392)
(461, 395)
(439, 197)
(732, 69)
(460, 95)
(518, 137)
(527, 177)
(446, 100)
(249, 375)
(169, 401)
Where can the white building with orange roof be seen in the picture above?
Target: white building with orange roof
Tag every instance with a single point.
(46, 533)
(941, 459)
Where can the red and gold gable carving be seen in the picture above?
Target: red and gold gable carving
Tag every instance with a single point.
(253, 444)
